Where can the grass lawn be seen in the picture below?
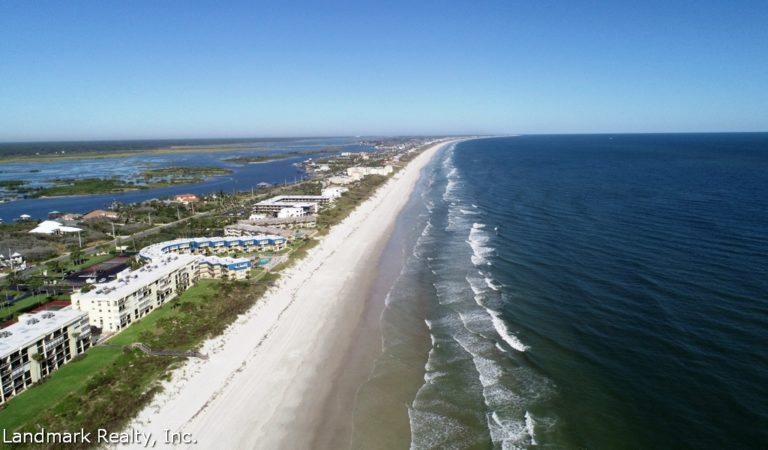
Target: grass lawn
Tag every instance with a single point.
(68, 379)
(149, 323)
(91, 261)
(6, 313)
(4, 293)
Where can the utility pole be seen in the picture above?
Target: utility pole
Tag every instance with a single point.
(114, 236)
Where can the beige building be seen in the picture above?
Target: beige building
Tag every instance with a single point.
(224, 268)
(171, 268)
(115, 305)
(38, 344)
(245, 228)
(101, 214)
(290, 222)
(334, 192)
(360, 172)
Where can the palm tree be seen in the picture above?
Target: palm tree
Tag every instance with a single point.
(76, 256)
(54, 266)
(13, 280)
(34, 284)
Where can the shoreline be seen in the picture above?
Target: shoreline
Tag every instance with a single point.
(347, 421)
(118, 154)
(269, 376)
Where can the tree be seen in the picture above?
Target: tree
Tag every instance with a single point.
(13, 280)
(34, 284)
(54, 266)
(76, 256)
(134, 263)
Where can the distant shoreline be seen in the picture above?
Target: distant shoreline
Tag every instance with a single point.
(120, 154)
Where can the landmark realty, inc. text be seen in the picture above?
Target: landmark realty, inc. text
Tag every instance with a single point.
(100, 436)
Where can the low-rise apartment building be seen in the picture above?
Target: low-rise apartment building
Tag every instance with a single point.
(171, 267)
(334, 192)
(133, 294)
(288, 222)
(291, 205)
(38, 344)
(246, 228)
(360, 172)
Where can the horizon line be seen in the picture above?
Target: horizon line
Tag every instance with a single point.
(369, 136)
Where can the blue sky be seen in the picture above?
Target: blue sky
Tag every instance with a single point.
(164, 69)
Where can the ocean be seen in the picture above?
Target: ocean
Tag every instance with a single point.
(585, 291)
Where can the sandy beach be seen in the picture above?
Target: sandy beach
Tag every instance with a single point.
(268, 377)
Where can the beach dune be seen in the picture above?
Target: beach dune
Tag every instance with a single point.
(269, 375)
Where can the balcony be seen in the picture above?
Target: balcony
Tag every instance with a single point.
(53, 342)
(19, 370)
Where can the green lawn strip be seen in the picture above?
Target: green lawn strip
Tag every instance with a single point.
(70, 378)
(27, 303)
(92, 260)
(149, 323)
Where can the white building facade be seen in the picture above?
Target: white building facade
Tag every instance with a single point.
(171, 268)
(38, 344)
(133, 294)
(334, 192)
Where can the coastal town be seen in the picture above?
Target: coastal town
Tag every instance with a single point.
(143, 285)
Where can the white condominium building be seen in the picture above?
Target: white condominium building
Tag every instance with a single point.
(334, 192)
(38, 344)
(214, 245)
(358, 173)
(291, 205)
(133, 294)
(246, 228)
(287, 222)
(171, 268)
(223, 267)
(342, 179)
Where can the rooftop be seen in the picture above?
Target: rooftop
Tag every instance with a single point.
(32, 327)
(51, 227)
(156, 251)
(130, 281)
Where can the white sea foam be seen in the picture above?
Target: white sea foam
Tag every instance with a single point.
(427, 228)
(488, 370)
(490, 283)
(530, 427)
(505, 428)
(476, 285)
(431, 430)
(510, 433)
(478, 240)
(504, 333)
